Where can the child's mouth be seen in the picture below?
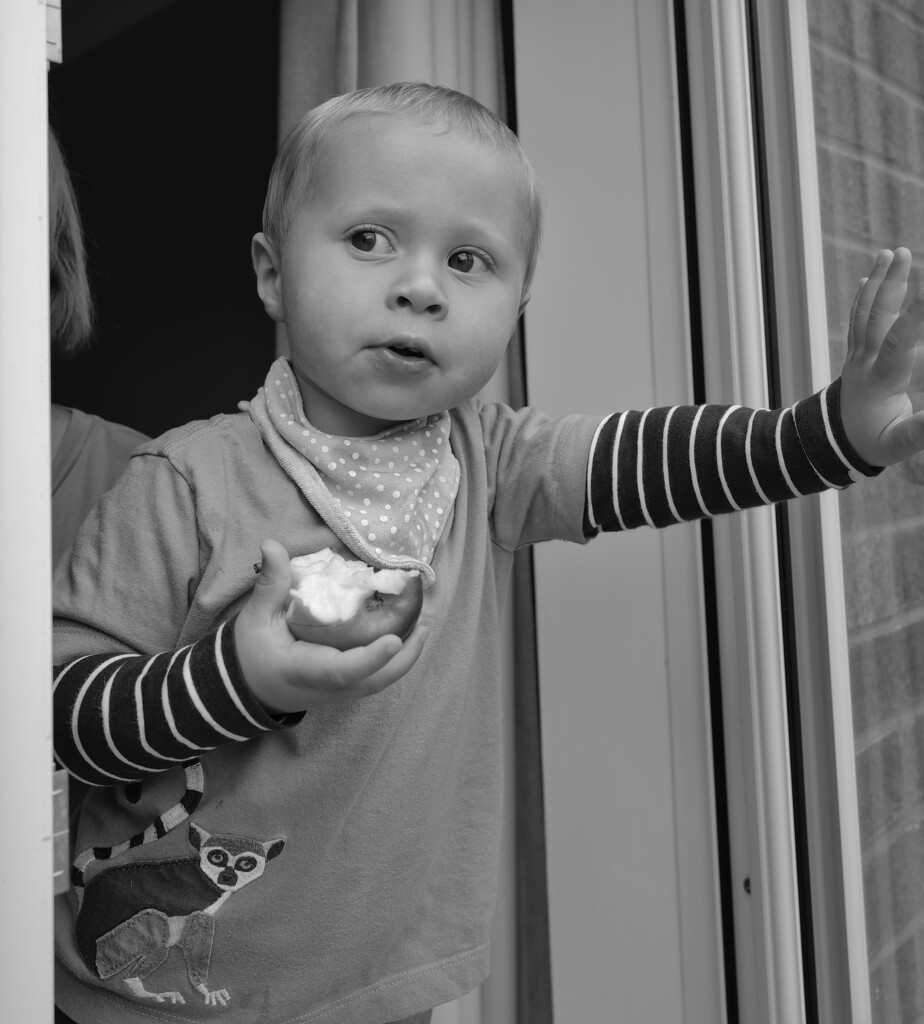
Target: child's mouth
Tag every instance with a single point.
(407, 351)
(407, 347)
(404, 359)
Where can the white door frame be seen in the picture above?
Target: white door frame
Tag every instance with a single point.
(25, 518)
(627, 759)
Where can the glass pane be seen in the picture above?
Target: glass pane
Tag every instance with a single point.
(868, 76)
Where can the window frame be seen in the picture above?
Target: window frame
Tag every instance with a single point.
(26, 968)
(634, 904)
(800, 931)
(795, 932)
(820, 662)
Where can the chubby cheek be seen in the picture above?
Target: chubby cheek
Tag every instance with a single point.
(489, 339)
(319, 324)
(314, 291)
(310, 306)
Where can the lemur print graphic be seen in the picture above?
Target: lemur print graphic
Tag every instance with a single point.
(132, 916)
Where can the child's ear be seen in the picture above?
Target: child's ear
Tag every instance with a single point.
(269, 281)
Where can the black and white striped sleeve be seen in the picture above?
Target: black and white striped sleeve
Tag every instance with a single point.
(671, 465)
(122, 717)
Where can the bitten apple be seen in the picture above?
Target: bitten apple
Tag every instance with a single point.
(345, 603)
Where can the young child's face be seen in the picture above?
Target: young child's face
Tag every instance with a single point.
(402, 276)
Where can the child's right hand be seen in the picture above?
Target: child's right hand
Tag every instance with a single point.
(882, 382)
(286, 674)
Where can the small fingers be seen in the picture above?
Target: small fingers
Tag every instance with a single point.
(899, 348)
(915, 310)
(853, 315)
(361, 671)
(906, 437)
(400, 664)
(338, 670)
(275, 564)
(271, 588)
(880, 299)
(892, 292)
(865, 298)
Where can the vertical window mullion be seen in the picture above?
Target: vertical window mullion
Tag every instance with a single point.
(777, 398)
(843, 73)
(762, 818)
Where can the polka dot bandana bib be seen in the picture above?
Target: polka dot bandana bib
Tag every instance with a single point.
(387, 497)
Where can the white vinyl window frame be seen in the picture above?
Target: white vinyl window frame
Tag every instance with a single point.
(821, 657)
(25, 519)
(768, 925)
(762, 817)
(634, 904)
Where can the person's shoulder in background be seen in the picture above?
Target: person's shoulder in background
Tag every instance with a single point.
(88, 456)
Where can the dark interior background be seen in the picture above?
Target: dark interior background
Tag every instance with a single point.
(166, 112)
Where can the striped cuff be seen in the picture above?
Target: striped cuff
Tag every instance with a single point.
(824, 440)
(120, 718)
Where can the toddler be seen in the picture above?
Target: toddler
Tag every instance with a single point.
(262, 846)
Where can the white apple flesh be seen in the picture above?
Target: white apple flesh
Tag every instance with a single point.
(345, 603)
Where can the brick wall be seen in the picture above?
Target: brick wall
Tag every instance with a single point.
(868, 76)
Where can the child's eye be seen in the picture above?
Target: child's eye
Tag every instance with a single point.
(370, 240)
(465, 261)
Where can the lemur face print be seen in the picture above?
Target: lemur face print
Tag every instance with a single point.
(132, 916)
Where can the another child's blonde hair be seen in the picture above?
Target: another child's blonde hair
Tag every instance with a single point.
(71, 301)
(301, 158)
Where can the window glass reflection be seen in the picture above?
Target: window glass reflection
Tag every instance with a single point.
(868, 80)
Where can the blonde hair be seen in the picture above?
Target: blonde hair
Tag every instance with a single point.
(300, 161)
(71, 302)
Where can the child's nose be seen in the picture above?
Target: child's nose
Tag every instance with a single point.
(419, 290)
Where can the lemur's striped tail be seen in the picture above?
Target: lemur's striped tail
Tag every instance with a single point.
(162, 824)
